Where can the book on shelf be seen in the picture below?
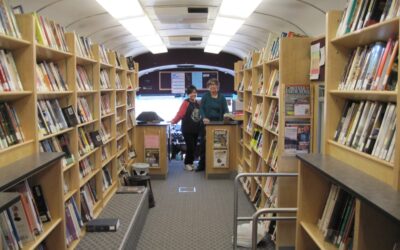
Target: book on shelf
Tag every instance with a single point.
(49, 33)
(118, 83)
(105, 106)
(104, 79)
(103, 54)
(88, 200)
(83, 46)
(59, 143)
(84, 110)
(73, 221)
(271, 159)
(103, 225)
(86, 167)
(42, 207)
(272, 120)
(369, 127)
(51, 119)
(9, 77)
(361, 14)
(10, 126)
(82, 79)
(297, 137)
(19, 220)
(273, 84)
(337, 220)
(10, 233)
(297, 100)
(85, 142)
(8, 24)
(70, 116)
(107, 180)
(372, 67)
(49, 77)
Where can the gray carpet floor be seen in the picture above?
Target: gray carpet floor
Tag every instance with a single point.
(200, 220)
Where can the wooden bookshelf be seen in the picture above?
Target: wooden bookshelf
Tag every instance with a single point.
(27, 53)
(376, 204)
(293, 65)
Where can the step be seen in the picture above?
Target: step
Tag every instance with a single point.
(131, 209)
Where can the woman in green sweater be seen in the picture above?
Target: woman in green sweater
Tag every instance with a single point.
(212, 108)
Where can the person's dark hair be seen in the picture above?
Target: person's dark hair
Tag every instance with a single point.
(190, 89)
(213, 81)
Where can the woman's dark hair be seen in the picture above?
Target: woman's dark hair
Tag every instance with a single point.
(190, 89)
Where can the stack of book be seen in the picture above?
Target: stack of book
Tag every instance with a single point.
(84, 111)
(49, 77)
(73, 221)
(51, 117)
(372, 67)
(10, 127)
(105, 105)
(84, 46)
(23, 221)
(361, 14)
(49, 33)
(85, 143)
(83, 80)
(8, 24)
(88, 200)
(368, 127)
(9, 77)
(107, 181)
(58, 144)
(104, 80)
(103, 54)
(337, 220)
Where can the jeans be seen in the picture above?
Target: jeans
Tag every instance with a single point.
(191, 142)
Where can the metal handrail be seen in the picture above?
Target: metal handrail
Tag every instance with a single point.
(235, 198)
(256, 218)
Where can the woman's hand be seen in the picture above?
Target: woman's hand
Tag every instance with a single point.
(206, 120)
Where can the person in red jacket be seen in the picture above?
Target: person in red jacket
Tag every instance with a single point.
(189, 113)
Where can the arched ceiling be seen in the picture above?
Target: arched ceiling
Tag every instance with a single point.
(175, 25)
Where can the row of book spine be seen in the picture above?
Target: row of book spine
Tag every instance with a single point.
(372, 67)
(104, 79)
(104, 131)
(103, 54)
(51, 117)
(10, 126)
(73, 221)
(49, 33)
(368, 127)
(105, 153)
(258, 114)
(364, 13)
(49, 77)
(86, 167)
(88, 140)
(256, 141)
(88, 200)
(8, 23)
(272, 156)
(83, 81)
(84, 110)
(58, 143)
(105, 104)
(23, 221)
(9, 77)
(272, 120)
(84, 47)
(337, 220)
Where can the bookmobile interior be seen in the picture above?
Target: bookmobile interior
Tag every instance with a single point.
(305, 158)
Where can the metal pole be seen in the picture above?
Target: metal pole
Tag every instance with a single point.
(267, 211)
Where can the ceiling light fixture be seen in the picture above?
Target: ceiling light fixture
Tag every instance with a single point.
(231, 16)
(130, 14)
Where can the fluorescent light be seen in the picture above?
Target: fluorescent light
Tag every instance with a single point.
(139, 26)
(122, 8)
(215, 39)
(213, 49)
(150, 41)
(226, 26)
(238, 8)
(158, 49)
